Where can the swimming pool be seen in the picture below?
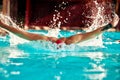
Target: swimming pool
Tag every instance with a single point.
(40, 60)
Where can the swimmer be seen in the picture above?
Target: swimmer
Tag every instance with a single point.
(67, 40)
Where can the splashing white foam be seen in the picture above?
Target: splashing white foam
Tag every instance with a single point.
(53, 32)
(14, 40)
(55, 23)
(100, 19)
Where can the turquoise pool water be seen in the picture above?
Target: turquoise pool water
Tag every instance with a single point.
(40, 60)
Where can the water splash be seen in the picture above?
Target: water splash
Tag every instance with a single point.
(14, 40)
(53, 32)
(7, 20)
(100, 19)
(55, 26)
(55, 23)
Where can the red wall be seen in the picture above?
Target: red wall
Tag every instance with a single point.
(42, 11)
